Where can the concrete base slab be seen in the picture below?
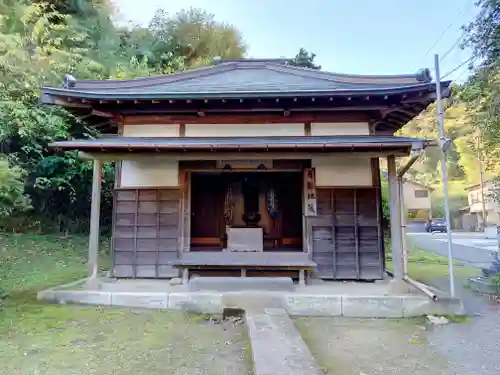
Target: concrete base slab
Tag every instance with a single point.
(277, 346)
(200, 303)
(372, 307)
(145, 300)
(252, 300)
(319, 300)
(305, 305)
(83, 297)
(230, 284)
(399, 287)
(416, 306)
(93, 283)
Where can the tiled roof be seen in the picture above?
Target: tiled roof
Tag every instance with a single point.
(245, 78)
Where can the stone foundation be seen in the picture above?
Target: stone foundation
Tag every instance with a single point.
(296, 304)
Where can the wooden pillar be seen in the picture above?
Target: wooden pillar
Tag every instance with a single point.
(395, 210)
(404, 247)
(302, 277)
(95, 213)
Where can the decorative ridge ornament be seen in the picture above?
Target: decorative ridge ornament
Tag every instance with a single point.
(69, 81)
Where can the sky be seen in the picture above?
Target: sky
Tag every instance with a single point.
(349, 36)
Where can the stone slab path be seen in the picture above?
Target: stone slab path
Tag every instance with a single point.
(277, 346)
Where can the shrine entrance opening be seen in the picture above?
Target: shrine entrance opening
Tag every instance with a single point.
(264, 207)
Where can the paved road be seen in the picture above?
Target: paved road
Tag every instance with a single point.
(472, 248)
(471, 348)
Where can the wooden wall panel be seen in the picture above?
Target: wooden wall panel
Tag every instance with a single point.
(345, 237)
(322, 244)
(146, 232)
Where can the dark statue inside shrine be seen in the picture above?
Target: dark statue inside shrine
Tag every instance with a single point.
(250, 190)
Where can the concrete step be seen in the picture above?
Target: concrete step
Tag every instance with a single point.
(277, 346)
(236, 284)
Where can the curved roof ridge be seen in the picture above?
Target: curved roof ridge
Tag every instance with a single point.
(154, 80)
(423, 76)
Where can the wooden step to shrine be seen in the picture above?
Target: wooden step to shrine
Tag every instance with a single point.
(236, 284)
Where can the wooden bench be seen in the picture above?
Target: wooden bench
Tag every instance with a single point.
(298, 261)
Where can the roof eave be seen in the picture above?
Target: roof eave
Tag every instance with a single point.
(48, 93)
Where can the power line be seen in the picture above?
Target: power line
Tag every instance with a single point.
(460, 75)
(458, 67)
(445, 31)
(457, 42)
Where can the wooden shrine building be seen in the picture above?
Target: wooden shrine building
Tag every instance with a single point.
(244, 168)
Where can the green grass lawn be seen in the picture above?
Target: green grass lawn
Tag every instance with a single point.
(41, 338)
(31, 262)
(425, 266)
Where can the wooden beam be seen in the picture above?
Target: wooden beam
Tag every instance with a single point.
(307, 128)
(96, 112)
(69, 103)
(93, 265)
(263, 118)
(228, 156)
(396, 237)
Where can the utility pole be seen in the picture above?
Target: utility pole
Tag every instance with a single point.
(444, 144)
(481, 182)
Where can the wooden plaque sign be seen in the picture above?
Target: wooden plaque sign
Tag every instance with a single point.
(310, 200)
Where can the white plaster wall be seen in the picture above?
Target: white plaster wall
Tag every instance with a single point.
(244, 130)
(340, 128)
(342, 170)
(154, 173)
(158, 130)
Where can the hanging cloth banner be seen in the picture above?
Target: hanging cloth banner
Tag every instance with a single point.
(272, 202)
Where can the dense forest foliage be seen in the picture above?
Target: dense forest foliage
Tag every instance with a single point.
(41, 41)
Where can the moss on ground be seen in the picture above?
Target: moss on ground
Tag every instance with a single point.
(41, 338)
(71, 339)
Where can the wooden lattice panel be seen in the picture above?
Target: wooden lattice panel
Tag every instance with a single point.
(146, 232)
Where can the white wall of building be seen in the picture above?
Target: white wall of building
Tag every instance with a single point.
(342, 170)
(339, 128)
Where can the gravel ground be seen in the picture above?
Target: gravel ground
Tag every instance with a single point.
(472, 348)
(371, 346)
(376, 347)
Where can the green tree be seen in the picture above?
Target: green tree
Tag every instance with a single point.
(482, 91)
(192, 38)
(12, 197)
(37, 46)
(40, 42)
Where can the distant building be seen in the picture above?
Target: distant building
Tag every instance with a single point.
(475, 208)
(417, 199)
